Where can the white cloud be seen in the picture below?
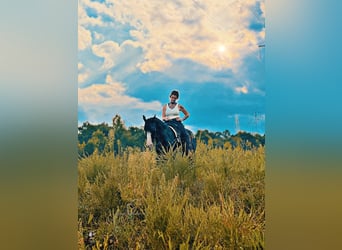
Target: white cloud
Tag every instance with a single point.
(111, 95)
(84, 38)
(109, 50)
(262, 8)
(83, 73)
(83, 18)
(100, 8)
(82, 77)
(249, 88)
(98, 36)
(189, 29)
(103, 101)
(243, 89)
(80, 66)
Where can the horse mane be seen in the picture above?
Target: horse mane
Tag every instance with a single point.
(159, 122)
(155, 119)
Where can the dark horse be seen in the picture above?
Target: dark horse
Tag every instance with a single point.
(166, 137)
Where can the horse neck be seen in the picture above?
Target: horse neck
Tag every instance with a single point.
(160, 126)
(162, 130)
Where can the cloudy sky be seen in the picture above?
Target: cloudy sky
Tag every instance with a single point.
(133, 53)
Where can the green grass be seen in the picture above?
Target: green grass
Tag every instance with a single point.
(212, 200)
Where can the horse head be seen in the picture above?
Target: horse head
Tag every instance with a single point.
(150, 128)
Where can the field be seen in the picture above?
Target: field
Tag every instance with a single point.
(214, 199)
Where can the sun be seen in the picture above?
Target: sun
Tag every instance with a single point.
(221, 48)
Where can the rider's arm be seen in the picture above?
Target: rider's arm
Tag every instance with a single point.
(185, 112)
(164, 117)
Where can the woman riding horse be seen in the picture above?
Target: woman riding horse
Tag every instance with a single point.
(164, 138)
(171, 116)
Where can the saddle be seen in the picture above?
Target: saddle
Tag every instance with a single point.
(190, 140)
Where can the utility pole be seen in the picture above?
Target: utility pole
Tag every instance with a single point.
(237, 125)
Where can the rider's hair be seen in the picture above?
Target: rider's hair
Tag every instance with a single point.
(175, 92)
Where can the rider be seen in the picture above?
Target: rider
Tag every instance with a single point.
(171, 115)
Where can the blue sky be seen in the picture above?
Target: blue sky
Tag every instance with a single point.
(132, 54)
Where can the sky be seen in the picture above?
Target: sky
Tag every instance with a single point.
(132, 54)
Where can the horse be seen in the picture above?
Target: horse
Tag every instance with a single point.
(166, 137)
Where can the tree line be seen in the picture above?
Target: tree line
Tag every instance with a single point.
(103, 138)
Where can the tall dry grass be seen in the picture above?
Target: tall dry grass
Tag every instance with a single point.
(214, 199)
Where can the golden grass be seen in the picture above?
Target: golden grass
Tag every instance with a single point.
(214, 199)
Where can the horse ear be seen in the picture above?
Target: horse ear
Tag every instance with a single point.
(144, 118)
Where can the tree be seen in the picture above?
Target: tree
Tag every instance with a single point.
(123, 137)
(103, 138)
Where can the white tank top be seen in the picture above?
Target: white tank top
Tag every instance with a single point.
(172, 113)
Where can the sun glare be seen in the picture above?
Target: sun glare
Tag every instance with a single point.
(221, 48)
